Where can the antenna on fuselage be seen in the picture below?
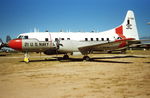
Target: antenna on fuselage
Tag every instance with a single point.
(36, 30)
(68, 30)
(46, 30)
(61, 30)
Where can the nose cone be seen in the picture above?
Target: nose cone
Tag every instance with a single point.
(15, 44)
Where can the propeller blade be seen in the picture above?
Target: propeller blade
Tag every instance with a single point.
(2, 44)
(1, 40)
(8, 38)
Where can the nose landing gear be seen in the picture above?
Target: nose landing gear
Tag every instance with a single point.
(26, 57)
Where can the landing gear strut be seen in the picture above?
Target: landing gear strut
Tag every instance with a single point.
(86, 58)
(26, 57)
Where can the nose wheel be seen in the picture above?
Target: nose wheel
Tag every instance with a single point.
(26, 57)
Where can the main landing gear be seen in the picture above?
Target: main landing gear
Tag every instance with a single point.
(65, 57)
(86, 58)
(26, 57)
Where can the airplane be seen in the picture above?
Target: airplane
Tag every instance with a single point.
(83, 43)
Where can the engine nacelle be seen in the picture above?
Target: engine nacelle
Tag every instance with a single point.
(52, 52)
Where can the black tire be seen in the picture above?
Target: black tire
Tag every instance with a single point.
(65, 57)
(86, 58)
(110, 52)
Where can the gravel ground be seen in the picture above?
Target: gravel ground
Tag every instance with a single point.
(105, 76)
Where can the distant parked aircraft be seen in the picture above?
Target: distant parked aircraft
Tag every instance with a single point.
(4, 46)
(148, 23)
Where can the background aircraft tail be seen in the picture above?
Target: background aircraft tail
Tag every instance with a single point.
(129, 26)
(8, 38)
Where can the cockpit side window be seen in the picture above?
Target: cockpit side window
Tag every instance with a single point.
(25, 37)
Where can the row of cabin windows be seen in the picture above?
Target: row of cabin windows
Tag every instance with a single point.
(86, 39)
(90, 39)
(97, 39)
(56, 39)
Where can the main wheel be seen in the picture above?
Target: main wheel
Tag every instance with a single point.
(65, 57)
(86, 58)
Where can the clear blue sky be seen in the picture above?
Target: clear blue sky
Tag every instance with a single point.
(19, 16)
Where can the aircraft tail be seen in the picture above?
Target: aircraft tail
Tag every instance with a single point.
(128, 29)
(129, 26)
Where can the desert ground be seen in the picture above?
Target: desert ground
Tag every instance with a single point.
(105, 76)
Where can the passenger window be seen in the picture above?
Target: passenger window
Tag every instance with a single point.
(102, 39)
(107, 39)
(68, 38)
(46, 39)
(56, 39)
(25, 37)
(91, 39)
(86, 39)
(128, 21)
(97, 39)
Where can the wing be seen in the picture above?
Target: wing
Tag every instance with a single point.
(121, 43)
(143, 43)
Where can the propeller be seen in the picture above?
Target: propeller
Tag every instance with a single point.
(58, 44)
(2, 44)
(1, 40)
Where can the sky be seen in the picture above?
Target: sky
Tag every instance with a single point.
(20, 16)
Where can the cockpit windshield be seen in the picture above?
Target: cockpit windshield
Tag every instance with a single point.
(22, 37)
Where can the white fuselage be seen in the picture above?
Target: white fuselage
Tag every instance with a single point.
(71, 41)
(77, 36)
(78, 41)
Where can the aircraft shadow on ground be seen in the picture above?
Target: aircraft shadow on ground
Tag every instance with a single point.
(42, 60)
(94, 59)
(115, 57)
(147, 62)
(2, 54)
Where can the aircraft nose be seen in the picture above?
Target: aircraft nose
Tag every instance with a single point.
(15, 44)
